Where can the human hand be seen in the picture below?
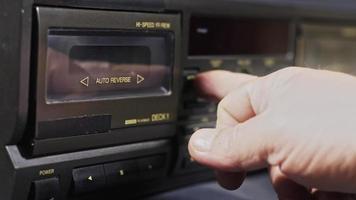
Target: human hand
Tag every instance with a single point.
(300, 123)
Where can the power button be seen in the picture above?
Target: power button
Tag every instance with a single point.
(46, 189)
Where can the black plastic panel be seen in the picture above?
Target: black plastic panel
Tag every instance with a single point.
(143, 5)
(128, 106)
(238, 36)
(74, 126)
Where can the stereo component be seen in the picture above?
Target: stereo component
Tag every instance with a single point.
(98, 97)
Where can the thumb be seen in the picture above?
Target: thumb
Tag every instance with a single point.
(232, 149)
(237, 144)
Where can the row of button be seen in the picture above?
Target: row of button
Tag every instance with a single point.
(193, 104)
(215, 63)
(88, 179)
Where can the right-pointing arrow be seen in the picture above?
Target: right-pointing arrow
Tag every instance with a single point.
(85, 81)
(140, 79)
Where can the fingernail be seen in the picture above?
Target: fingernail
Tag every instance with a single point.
(202, 140)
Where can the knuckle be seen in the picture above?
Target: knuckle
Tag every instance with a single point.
(223, 105)
(288, 166)
(292, 70)
(289, 71)
(282, 78)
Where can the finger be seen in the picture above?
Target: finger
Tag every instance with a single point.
(286, 188)
(217, 84)
(241, 147)
(230, 180)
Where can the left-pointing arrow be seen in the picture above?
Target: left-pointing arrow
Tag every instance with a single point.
(85, 81)
(90, 178)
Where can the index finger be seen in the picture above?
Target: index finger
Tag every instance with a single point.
(217, 84)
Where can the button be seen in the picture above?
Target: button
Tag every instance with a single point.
(191, 128)
(121, 172)
(189, 164)
(216, 63)
(88, 179)
(151, 163)
(47, 189)
(190, 73)
(269, 62)
(245, 62)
